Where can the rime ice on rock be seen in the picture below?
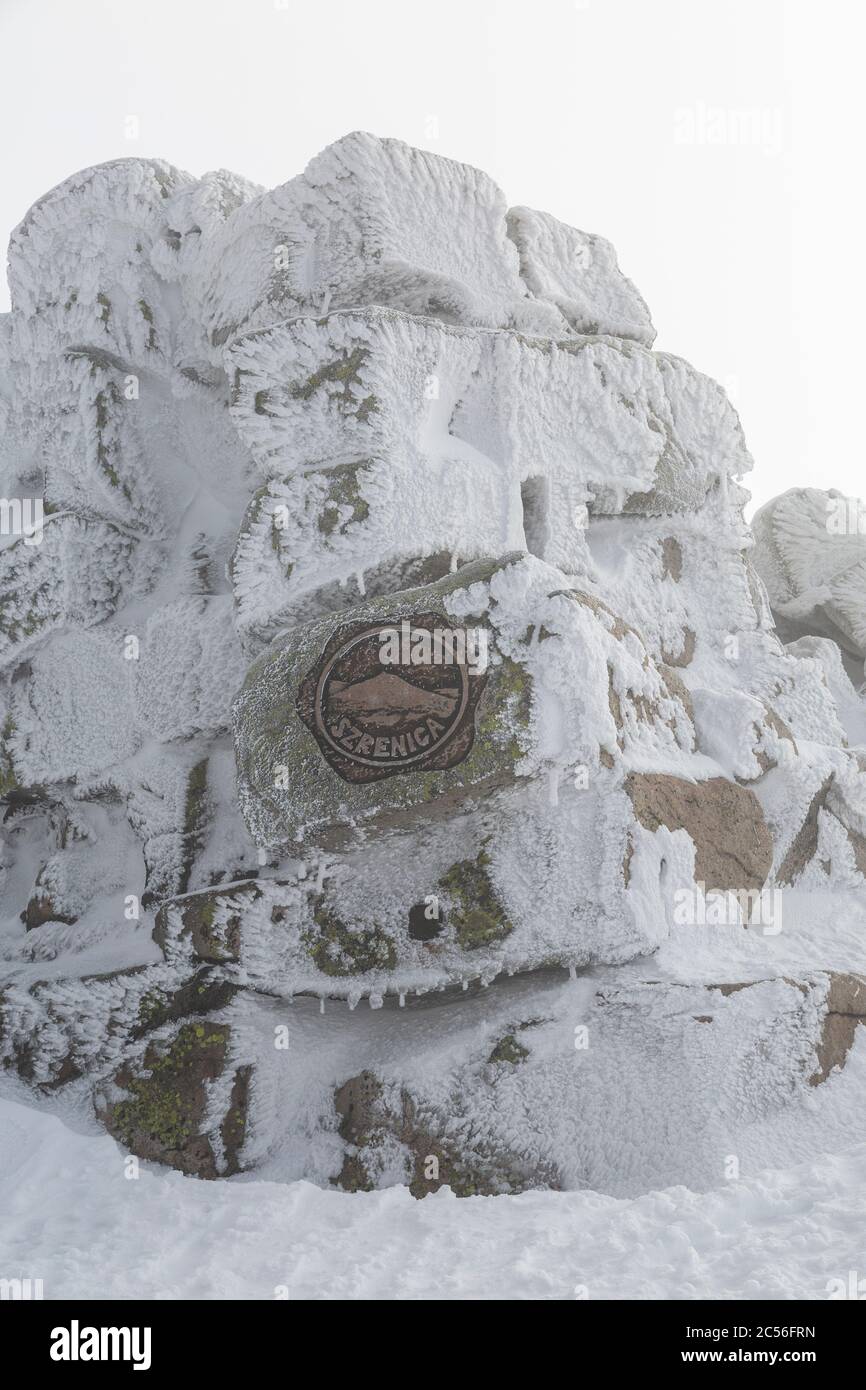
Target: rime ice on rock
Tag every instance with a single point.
(335, 237)
(811, 553)
(269, 431)
(578, 273)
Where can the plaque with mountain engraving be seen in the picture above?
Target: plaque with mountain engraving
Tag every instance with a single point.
(394, 697)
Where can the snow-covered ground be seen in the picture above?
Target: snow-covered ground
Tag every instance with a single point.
(70, 1217)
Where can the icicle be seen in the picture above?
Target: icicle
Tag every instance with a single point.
(359, 579)
(376, 1001)
(572, 972)
(321, 1003)
(402, 999)
(465, 985)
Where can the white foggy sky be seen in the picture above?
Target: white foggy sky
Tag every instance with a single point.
(745, 251)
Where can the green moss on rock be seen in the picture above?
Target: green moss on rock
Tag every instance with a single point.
(475, 911)
(251, 519)
(204, 993)
(343, 492)
(16, 626)
(339, 950)
(162, 1117)
(214, 937)
(164, 1110)
(509, 1050)
(194, 820)
(147, 314)
(107, 445)
(506, 710)
(8, 778)
(234, 1125)
(345, 372)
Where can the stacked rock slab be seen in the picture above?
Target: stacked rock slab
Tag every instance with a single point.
(403, 602)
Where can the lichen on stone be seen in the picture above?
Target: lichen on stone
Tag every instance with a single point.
(162, 1114)
(506, 708)
(8, 777)
(209, 920)
(339, 950)
(508, 1050)
(147, 315)
(474, 910)
(194, 819)
(344, 371)
(343, 494)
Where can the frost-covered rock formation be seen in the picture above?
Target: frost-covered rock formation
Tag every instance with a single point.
(810, 549)
(393, 629)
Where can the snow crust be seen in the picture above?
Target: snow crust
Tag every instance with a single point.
(780, 1234)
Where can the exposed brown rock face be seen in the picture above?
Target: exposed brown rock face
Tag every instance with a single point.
(846, 1008)
(196, 915)
(203, 993)
(804, 846)
(771, 720)
(858, 845)
(672, 559)
(369, 1119)
(680, 691)
(733, 845)
(41, 909)
(686, 652)
(780, 727)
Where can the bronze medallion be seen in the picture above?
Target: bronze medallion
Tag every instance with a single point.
(377, 707)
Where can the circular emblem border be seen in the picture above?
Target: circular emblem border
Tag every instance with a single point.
(393, 764)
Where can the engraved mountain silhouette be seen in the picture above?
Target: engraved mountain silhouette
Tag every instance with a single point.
(389, 699)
